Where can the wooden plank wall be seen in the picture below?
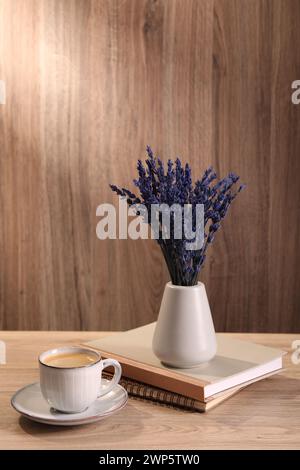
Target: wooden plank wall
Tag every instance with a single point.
(90, 83)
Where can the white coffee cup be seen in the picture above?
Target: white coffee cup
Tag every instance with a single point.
(73, 389)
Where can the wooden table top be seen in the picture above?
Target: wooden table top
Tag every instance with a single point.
(266, 415)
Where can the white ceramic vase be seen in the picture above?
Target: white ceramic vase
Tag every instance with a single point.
(184, 335)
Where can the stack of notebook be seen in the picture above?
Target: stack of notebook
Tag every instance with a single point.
(236, 365)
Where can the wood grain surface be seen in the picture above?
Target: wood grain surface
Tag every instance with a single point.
(90, 83)
(265, 415)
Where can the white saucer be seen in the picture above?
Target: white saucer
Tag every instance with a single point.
(29, 402)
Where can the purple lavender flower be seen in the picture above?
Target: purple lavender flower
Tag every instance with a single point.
(174, 186)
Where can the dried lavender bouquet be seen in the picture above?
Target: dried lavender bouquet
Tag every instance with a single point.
(174, 185)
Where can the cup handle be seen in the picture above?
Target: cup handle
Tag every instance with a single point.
(116, 378)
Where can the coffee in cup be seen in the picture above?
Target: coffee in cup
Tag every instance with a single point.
(70, 359)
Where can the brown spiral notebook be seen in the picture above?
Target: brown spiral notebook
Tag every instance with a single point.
(158, 395)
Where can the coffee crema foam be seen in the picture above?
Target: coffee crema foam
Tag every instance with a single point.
(70, 360)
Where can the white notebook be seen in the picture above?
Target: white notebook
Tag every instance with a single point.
(236, 362)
